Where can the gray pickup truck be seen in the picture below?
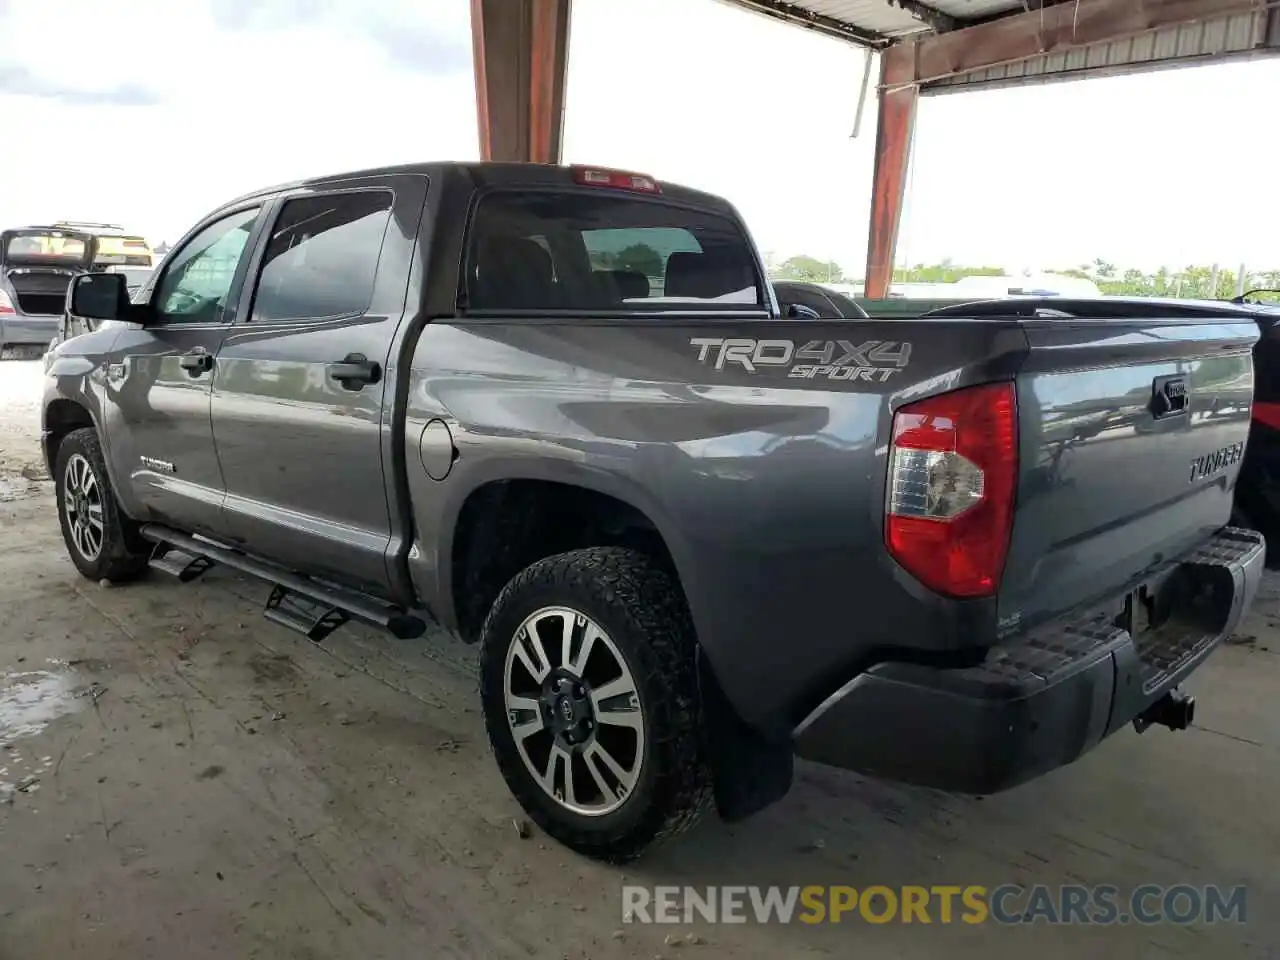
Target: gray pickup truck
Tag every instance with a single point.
(695, 533)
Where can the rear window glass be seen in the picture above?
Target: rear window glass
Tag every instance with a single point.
(132, 251)
(587, 251)
(52, 244)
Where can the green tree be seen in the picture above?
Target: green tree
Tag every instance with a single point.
(805, 267)
(1193, 282)
(640, 258)
(944, 272)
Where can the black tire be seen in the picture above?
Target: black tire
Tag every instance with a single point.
(643, 611)
(123, 554)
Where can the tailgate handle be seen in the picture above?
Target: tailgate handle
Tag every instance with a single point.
(1170, 396)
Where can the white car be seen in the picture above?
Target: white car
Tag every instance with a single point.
(1028, 285)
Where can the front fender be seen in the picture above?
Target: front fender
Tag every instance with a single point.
(75, 375)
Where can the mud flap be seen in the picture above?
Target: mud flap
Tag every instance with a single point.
(748, 771)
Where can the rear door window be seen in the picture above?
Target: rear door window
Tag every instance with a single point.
(322, 258)
(582, 250)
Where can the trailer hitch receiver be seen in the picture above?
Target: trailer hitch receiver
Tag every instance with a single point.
(1175, 710)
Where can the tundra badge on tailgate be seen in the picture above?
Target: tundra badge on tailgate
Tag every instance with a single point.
(873, 361)
(1212, 463)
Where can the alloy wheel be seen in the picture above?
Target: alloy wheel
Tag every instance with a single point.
(574, 710)
(82, 502)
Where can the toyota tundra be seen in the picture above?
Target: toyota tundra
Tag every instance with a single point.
(695, 532)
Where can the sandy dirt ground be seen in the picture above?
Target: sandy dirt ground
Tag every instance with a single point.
(181, 778)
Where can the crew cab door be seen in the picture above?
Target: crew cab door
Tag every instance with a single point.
(301, 395)
(159, 377)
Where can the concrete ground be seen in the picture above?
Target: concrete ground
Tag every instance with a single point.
(181, 778)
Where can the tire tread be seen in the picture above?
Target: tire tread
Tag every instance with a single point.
(124, 555)
(654, 609)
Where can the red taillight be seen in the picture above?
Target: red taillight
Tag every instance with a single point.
(617, 179)
(953, 469)
(6, 305)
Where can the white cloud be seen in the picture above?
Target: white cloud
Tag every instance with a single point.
(1146, 169)
(242, 105)
(730, 102)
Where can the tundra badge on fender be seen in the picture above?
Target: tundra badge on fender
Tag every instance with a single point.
(873, 361)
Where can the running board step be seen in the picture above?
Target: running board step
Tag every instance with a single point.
(325, 602)
(178, 563)
(315, 621)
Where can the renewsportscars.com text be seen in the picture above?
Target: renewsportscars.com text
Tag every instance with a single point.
(1008, 904)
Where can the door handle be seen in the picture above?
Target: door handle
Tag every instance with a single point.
(196, 362)
(354, 371)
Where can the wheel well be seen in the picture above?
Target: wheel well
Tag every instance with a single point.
(506, 525)
(60, 418)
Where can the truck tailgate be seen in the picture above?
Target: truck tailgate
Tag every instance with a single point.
(1131, 435)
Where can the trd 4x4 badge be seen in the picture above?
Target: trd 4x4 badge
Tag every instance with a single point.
(873, 361)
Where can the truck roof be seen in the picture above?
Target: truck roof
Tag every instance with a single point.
(484, 173)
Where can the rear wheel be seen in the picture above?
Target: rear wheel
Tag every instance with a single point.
(103, 543)
(591, 703)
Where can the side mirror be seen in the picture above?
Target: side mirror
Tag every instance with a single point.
(99, 296)
(798, 311)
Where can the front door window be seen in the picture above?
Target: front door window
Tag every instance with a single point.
(197, 282)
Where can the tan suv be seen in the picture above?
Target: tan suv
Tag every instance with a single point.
(115, 246)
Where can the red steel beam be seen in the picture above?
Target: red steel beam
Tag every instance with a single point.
(915, 62)
(521, 50)
(898, 98)
(1054, 29)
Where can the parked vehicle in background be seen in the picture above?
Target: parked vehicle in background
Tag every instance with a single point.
(115, 245)
(1026, 285)
(693, 536)
(36, 266)
(135, 277)
(1258, 490)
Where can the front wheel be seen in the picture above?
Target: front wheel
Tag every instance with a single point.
(103, 543)
(591, 702)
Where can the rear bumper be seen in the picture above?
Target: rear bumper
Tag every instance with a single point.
(1040, 702)
(21, 329)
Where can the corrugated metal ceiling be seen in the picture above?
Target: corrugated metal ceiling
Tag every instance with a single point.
(875, 16)
(875, 22)
(1216, 38)
(878, 23)
(975, 9)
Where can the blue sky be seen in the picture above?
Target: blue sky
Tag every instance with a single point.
(152, 112)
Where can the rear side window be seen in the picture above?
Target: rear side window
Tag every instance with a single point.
(581, 250)
(322, 258)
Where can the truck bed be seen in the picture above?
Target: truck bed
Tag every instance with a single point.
(765, 469)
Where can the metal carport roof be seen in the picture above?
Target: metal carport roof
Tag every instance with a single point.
(877, 23)
(984, 41)
(521, 48)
